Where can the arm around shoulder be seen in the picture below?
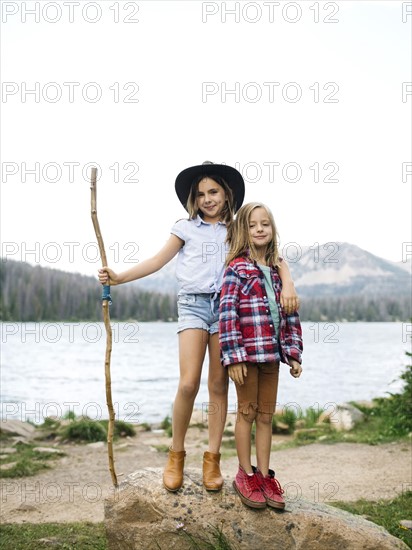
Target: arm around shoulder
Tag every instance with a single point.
(289, 299)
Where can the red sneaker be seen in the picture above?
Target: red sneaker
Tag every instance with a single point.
(249, 489)
(271, 489)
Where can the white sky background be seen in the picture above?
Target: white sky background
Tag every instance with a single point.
(169, 53)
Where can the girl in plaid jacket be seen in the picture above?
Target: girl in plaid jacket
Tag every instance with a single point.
(255, 335)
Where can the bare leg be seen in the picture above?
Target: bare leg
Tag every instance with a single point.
(218, 389)
(192, 349)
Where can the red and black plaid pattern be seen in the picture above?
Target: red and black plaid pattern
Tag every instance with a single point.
(246, 331)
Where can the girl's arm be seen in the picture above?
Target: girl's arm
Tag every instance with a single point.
(292, 340)
(289, 300)
(108, 277)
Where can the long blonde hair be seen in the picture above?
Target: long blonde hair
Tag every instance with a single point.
(238, 236)
(229, 208)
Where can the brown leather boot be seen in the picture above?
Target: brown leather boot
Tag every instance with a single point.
(173, 472)
(212, 478)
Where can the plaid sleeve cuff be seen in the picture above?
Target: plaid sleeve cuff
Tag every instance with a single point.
(236, 356)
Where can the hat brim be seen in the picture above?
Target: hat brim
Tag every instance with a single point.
(231, 176)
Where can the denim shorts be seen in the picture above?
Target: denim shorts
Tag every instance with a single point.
(198, 311)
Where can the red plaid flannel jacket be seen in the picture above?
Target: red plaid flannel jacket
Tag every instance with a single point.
(246, 331)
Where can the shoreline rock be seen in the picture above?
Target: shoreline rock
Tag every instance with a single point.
(140, 514)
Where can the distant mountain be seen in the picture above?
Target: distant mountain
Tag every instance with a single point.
(330, 269)
(345, 269)
(405, 265)
(162, 281)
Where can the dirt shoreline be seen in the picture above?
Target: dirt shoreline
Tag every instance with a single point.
(74, 489)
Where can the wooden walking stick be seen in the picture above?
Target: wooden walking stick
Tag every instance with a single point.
(106, 301)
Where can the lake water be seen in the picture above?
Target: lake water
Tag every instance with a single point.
(50, 368)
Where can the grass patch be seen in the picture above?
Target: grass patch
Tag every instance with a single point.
(373, 431)
(294, 419)
(387, 513)
(28, 461)
(85, 430)
(370, 432)
(65, 536)
(166, 425)
(161, 448)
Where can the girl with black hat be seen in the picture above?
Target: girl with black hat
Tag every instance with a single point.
(211, 193)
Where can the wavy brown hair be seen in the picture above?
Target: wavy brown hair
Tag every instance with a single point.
(240, 243)
(229, 208)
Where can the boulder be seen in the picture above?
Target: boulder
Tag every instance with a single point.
(343, 418)
(141, 514)
(17, 427)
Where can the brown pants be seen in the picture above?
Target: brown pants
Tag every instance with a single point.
(257, 396)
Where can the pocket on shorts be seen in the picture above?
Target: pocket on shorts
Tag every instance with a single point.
(186, 299)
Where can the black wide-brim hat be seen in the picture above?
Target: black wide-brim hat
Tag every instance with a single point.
(231, 176)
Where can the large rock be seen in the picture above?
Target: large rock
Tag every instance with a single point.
(17, 427)
(141, 514)
(343, 418)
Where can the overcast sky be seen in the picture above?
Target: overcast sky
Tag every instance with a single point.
(310, 100)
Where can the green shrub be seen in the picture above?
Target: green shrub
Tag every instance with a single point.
(69, 415)
(394, 413)
(166, 425)
(311, 417)
(398, 407)
(85, 430)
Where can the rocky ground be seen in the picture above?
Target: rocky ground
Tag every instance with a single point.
(75, 487)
